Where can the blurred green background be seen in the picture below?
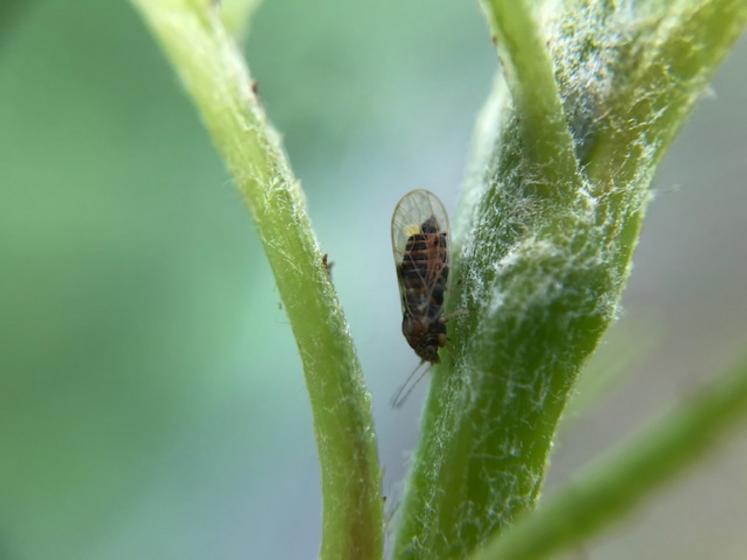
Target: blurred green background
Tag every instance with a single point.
(151, 400)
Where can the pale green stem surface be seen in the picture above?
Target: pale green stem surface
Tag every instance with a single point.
(605, 492)
(215, 75)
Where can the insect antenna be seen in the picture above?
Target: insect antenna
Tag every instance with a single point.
(399, 398)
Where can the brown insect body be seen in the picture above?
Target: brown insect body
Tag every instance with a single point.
(420, 241)
(424, 272)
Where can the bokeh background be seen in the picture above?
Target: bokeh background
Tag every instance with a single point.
(151, 399)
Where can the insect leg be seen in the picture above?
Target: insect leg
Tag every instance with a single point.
(399, 398)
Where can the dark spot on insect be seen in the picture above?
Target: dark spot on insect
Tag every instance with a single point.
(494, 40)
(255, 87)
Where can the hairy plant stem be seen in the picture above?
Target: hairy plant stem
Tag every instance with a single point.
(543, 251)
(528, 71)
(606, 491)
(215, 75)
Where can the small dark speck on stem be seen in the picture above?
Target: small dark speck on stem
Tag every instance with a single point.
(328, 264)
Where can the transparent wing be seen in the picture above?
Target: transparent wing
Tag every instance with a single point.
(412, 211)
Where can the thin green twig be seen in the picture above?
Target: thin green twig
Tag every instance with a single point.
(528, 71)
(214, 73)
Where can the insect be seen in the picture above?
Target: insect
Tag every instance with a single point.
(420, 230)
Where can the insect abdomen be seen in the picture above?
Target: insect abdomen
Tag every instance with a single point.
(424, 274)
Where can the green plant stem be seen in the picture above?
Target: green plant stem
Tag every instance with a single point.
(685, 48)
(537, 277)
(618, 484)
(514, 348)
(215, 75)
(528, 71)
